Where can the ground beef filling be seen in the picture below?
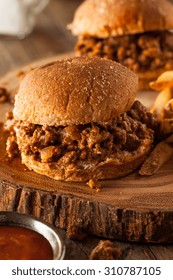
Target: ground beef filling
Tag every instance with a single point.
(95, 141)
(138, 52)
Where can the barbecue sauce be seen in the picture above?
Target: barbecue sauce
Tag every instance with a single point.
(19, 243)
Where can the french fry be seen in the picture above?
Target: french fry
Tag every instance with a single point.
(160, 155)
(168, 110)
(163, 106)
(169, 139)
(160, 102)
(165, 80)
(167, 126)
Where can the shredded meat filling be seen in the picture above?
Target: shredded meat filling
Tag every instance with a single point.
(83, 142)
(137, 52)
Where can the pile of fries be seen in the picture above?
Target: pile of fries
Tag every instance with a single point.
(163, 106)
(163, 109)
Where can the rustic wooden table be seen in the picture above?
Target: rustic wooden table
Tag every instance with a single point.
(50, 37)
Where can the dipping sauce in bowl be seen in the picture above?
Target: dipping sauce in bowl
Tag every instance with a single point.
(23, 237)
(19, 243)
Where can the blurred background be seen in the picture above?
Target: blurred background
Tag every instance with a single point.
(49, 37)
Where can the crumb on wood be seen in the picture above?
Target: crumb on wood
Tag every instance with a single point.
(105, 250)
(9, 115)
(4, 95)
(21, 74)
(94, 184)
(76, 232)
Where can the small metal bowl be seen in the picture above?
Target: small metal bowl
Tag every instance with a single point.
(47, 231)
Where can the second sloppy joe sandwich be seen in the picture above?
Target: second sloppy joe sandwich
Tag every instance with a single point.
(135, 33)
(76, 119)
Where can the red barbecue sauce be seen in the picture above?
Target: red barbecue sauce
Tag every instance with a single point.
(19, 243)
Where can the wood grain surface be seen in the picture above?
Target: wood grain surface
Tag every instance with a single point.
(51, 38)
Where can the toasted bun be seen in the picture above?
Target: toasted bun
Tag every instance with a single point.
(104, 18)
(75, 91)
(85, 170)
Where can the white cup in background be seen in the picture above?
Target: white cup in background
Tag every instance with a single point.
(17, 17)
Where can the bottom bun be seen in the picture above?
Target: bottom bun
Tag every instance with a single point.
(82, 171)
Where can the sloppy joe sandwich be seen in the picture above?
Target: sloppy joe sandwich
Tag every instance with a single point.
(76, 120)
(135, 33)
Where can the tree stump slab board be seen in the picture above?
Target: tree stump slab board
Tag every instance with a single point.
(133, 208)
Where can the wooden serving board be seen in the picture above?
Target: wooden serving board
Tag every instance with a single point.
(132, 208)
